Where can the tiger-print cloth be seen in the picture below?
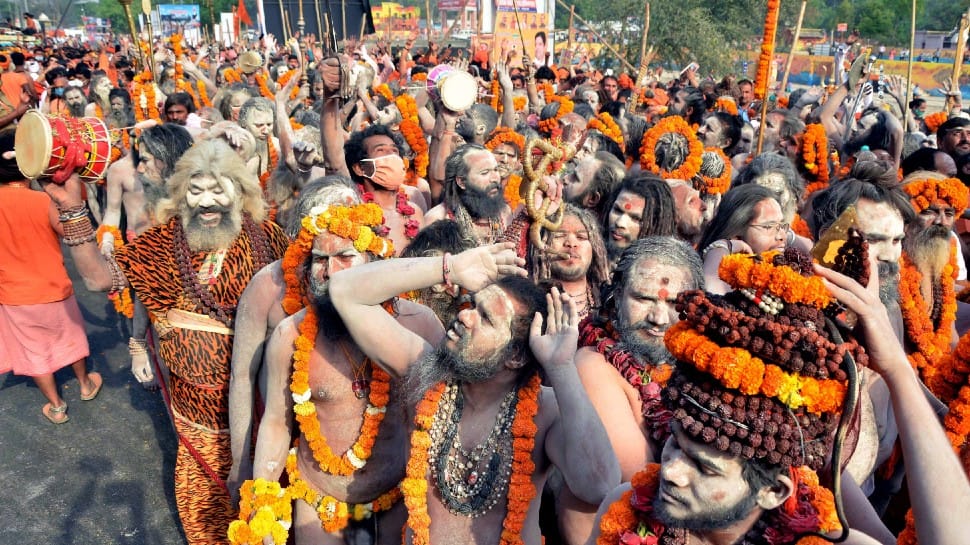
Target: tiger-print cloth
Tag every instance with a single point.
(199, 363)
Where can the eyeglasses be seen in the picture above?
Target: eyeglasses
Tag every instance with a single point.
(774, 228)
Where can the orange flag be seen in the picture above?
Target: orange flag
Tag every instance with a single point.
(243, 15)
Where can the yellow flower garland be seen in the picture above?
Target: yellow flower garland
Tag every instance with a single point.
(354, 223)
(265, 510)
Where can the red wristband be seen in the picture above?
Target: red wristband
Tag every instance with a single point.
(446, 270)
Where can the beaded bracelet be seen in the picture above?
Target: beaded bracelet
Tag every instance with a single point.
(118, 279)
(137, 346)
(72, 213)
(78, 231)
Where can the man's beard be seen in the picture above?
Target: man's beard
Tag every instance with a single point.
(569, 273)
(445, 365)
(708, 519)
(76, 109)
(117, 119)
(687, 230)
(613, 248)
(929, 248)
(219, 237)
(480, 204)
(329, 321)
(154, 192)
(889, 283)
(653, 352)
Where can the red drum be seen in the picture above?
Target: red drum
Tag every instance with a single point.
(55, 147)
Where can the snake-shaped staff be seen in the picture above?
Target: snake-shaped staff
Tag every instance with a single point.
(535, 174)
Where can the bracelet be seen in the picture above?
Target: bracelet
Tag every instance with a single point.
(446, 270)
(722, 244)
(74, 212)
(78, 231)
(137, 346)
(118, 279)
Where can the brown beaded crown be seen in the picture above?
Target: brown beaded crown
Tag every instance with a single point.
(761, 371)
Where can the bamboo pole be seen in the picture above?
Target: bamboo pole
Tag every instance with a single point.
(643, 46)
(909, 67)
(794, 45)
(961, 49)
(316, 7)
(572, 28)
(606, 44)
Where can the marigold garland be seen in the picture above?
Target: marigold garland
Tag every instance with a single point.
(496, 98)
(737, 369)
(284, 79)
(551, 126)
(274, 159)
(203, 93)
(925, 192)
(815, 152)
(800, 226)
(261, 82)
(334, 514)
(422, 76)
(648, 149)
(265, 510)
(726, 104)
(722, 183)
(952, 372)
(934, 120)
(519, 103)
(521, 491)
(385, 91)
(413, 134)
(506, 135)
(343, 221)
(512, 191)
(359, 453)
(604, 123)
(231, 76)
(931, 344)
(759, 274)
(767, 50)
(143, 97)
(121, 299)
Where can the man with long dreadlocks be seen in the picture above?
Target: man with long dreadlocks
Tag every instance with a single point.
(760, 402)
(190, 271)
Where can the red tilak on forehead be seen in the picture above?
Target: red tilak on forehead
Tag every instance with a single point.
(663, 293)
(627, 206)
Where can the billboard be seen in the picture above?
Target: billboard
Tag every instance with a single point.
(176, 17)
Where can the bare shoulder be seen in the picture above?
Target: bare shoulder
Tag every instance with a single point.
(421, 320)
(122, 171)
(288, 329)
(437, 213)
(592, 364)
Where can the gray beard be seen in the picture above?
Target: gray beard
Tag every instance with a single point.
(718, 519)
(153, 191)
(443, 365)
(889, 283)
(220, 237)
(76, 109)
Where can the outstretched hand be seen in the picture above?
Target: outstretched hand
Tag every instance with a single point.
(557, 346)
(477, 268)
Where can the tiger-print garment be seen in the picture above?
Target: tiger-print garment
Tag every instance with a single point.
(199, 363)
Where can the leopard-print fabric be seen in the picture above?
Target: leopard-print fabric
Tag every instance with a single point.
(199, 362)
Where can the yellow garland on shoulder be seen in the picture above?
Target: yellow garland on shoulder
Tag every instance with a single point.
(648, 149)
(604, 123)
(334, 514)
(356, 457)
(737, 369)
(747, 271)
(265, 510)
(929, 191)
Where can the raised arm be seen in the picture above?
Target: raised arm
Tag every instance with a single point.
(358, 293)
(937, 484)
(332, 132)
(577, 443)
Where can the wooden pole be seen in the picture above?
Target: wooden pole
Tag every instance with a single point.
(961, 49)
(909, 67)
(316, 7)
(427, 15)
(572, 28)
(343, 17)
(643, 46)
(794, 46)
(606, 44)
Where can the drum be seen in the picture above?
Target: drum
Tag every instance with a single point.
(456, 89)
(55, 147)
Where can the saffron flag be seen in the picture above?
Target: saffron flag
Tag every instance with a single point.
(243, 15)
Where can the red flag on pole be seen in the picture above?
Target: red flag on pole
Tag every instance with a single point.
(243, 14)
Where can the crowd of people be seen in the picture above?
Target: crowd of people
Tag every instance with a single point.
(587, 309)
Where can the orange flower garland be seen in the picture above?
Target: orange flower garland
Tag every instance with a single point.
(930, 344)
(359, 453)
(273, 160)
(934, 120)
(385, 91)
(521, 491)
(505, 135)
(746, 271)
(726, 104)
(815, 152)
(334, 514)
(512, 192)
(519, 103)
(120, 299)
(648, 149)
(924, 193)
(800, 226)
(231, 76)
(264, 87)
(351, 223)
(952, 372)
(203, 94)
(143, 97)
(722, 183)
(284, 79)
(767, 50)
(413, 134)
(737, 369)
(496, 99)
(604, 123)
(620, 517)
(551, 125)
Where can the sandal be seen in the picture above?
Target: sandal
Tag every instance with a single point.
(56, 415)
(95, 379)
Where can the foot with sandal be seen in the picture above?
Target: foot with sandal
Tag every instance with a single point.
(56, 411)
